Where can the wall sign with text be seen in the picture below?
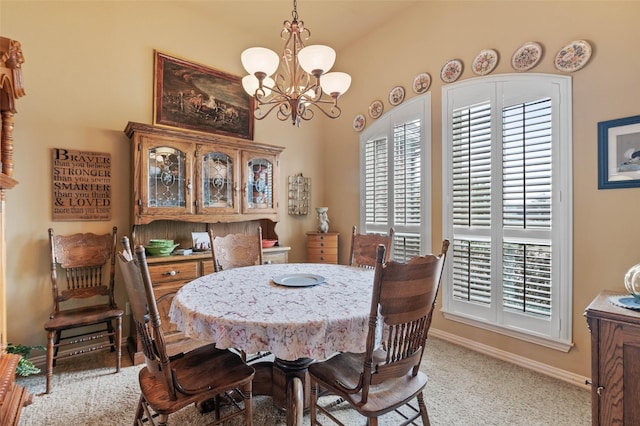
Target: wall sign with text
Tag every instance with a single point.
(81, 185)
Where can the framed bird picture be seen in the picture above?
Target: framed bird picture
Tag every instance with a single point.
(619, 153)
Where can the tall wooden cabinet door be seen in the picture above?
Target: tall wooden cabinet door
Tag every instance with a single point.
(609, 384)
(218, 180)
(165, 184)
(260, 177)
(631, 376)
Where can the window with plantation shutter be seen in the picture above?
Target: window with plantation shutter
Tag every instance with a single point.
(507, 205)
(393, 182)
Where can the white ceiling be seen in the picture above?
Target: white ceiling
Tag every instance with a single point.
(336, 23)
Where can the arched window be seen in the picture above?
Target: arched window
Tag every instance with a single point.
(507, 205)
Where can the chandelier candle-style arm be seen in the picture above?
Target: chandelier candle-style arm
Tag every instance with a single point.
(297, 82)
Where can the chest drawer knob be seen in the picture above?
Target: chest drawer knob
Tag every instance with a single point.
(171, 273)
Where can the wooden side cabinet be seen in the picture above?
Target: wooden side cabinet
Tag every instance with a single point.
(322, 247)
(615, 362)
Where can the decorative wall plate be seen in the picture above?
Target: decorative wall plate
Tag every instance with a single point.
(396, 95)
(375, 109)
(485, 62)
(573, 56)
(451, 71)
(526, 56)
(358, 122)
(421, 83)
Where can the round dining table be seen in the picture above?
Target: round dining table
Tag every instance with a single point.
(300, 312)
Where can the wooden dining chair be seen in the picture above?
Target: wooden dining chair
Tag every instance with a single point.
(236, 250)
(169, 384)
(388, 377)
(364, 246)
(85, 317)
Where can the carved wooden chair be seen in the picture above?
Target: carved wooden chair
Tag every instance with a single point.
(88, 263)
(236, 250)
(199, 376)
(364, 246)
(386, 378)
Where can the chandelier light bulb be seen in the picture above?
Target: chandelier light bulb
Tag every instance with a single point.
(250, 84)
(335, 82)
(316, 57)
(260, 59)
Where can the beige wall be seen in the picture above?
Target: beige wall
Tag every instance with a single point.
(88, 71)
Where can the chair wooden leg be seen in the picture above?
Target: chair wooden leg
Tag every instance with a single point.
(118, 344)
(423, 410)
(313, 400)
(56, 346)
(248, 404)
(50, 351)
(143, 413)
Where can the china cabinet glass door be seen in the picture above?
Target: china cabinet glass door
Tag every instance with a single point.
(218, 183)
(168, 178)
(259, 190)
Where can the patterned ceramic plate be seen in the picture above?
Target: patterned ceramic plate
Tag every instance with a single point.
(527, 56)
(573, 56)
(485, 62)
(421, 83)
(396, 95)
(358, 122)
(451, 71)
(375, 109)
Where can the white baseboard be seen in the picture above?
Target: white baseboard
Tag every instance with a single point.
(536, 366)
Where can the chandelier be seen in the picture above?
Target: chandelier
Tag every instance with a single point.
(302, 83)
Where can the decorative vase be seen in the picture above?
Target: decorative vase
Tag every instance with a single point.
(323, 219)
(632, 282)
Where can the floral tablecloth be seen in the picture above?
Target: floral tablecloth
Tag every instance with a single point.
(243, 308)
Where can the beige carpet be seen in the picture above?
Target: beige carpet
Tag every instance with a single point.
(465, 389)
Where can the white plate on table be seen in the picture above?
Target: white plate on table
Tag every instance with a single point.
(299, 280)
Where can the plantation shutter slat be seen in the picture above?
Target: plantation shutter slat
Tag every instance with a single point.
(376, 178)
(471, 166)
(526, 165)
(407, 173)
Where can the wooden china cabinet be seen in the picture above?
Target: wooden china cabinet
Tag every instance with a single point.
(185, 182)
(615, 362)
(12, 396)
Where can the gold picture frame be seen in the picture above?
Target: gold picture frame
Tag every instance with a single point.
(195, 97)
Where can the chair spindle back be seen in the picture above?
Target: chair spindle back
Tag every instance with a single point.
(145, 315)
(364, 247)
(404, 296)
(88, 263)
(236, 250)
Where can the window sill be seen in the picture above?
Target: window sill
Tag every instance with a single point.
(556, 344)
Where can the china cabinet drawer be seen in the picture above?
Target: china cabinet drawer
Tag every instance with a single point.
(206, 266)
(175, 271)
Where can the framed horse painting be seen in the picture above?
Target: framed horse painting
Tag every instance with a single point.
(194, 97)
